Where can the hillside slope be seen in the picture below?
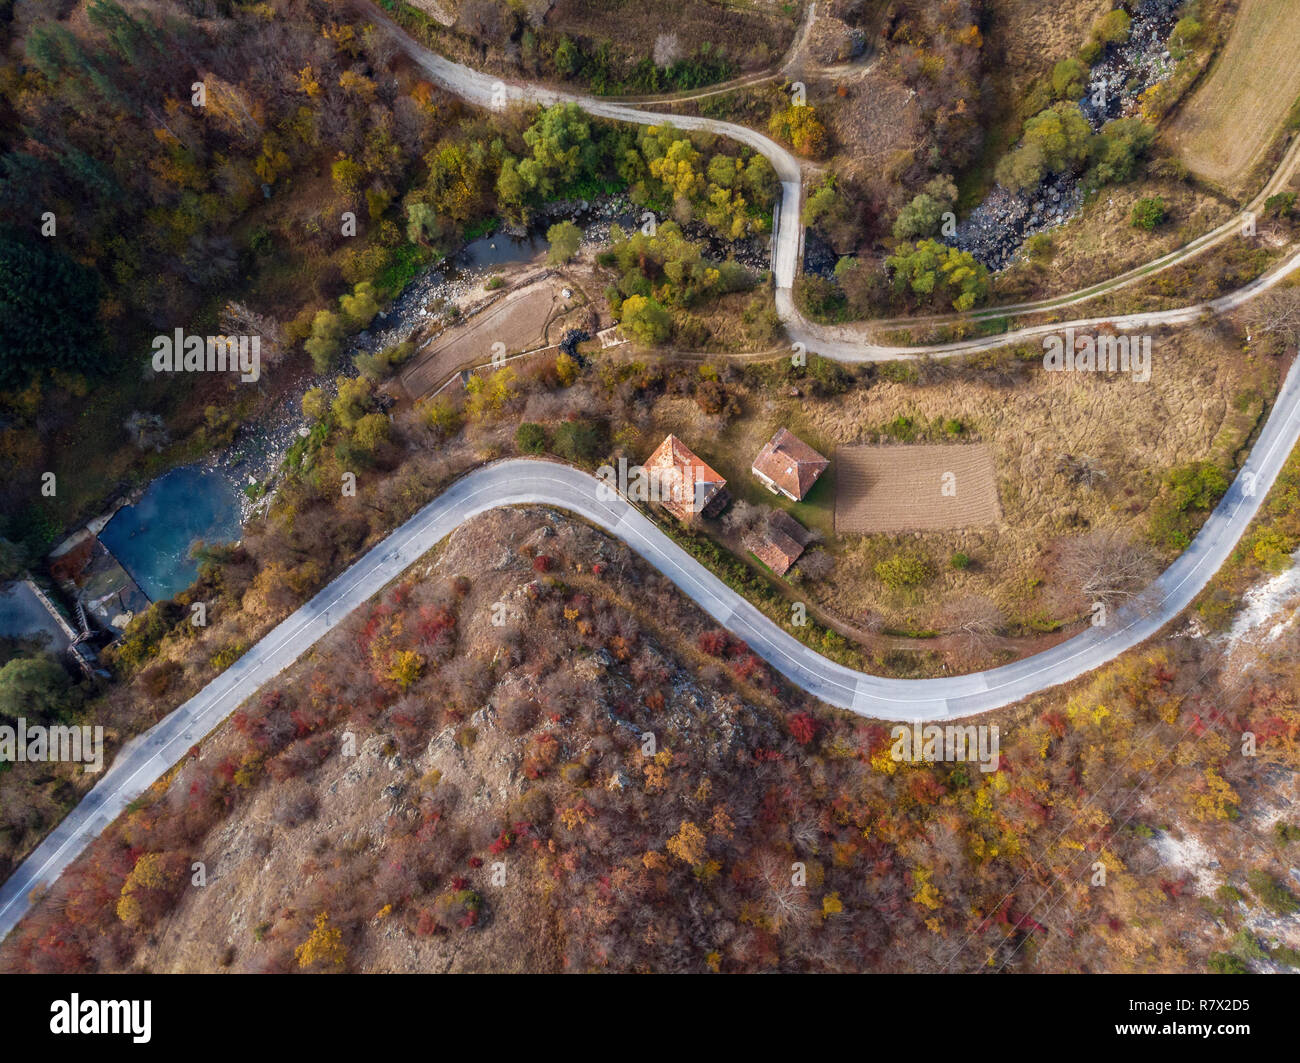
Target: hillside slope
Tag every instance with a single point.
(505, 809)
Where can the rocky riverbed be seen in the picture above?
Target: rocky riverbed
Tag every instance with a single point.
(1127, 70)
(431, 298)
(996, 230)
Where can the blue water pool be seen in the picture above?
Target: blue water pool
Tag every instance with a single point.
(152, 539)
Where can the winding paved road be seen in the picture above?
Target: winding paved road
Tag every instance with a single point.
(531, 481)
(149, 756)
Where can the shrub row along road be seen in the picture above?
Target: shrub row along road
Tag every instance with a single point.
(147, 758)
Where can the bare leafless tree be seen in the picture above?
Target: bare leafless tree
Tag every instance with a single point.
(380, 46)
(816, 564)
(787, 902)
(741, 516)
(1081, 469)
(871, 621)
(1107, 566)
(239, 320)
(975, 621)
(1277, 311)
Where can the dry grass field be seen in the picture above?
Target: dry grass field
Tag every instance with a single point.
(1029, 36)
(1227, 126)
(876, 125)
(1101, 241)
(914, 488)
(1203, 400)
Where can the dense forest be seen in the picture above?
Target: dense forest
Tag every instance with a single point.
(273, 168)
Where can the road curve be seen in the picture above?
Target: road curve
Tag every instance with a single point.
(496, 94)
(531, 481)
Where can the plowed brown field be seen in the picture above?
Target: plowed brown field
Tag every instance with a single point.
(914, 488)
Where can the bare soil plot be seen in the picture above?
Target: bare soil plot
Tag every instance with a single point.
(877, 124)
(518, 319)
(914, 488)
(1228, 124)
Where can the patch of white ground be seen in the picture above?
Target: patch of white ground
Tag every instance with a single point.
(1268, 611)
(1189, 855)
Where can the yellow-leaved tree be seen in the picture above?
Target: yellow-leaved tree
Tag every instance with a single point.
(324, 948)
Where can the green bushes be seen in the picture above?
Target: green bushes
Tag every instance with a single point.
(731, 193)
(360, 307)
(580, 442)
(1113, 27)
(1189, 490)
(901, 428)
(800, 127)
(1069, 78)
(819, 298)
(1115, 151)
(1280, 205)
(381, 365)
(838, 209)
(357, 310)
(1197, 486)
(530, 438)
(144, 634)
(667, 270)
(1055, 140)
(1227, 963)
(37, 688)
(907, 568)
(569, 155)
(564, 238)
(608, 76)
(1187, 32)
(933, 270)
(1148, 213)
(645, 320)
(1059, 140)
(1272, 893)
(922, 217)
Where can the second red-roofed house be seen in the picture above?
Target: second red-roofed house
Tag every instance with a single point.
(787, 465)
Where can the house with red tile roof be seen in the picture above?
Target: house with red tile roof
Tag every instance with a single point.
(686, 485)
(787, 465)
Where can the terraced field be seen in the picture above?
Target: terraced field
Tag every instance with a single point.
(517, 321)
